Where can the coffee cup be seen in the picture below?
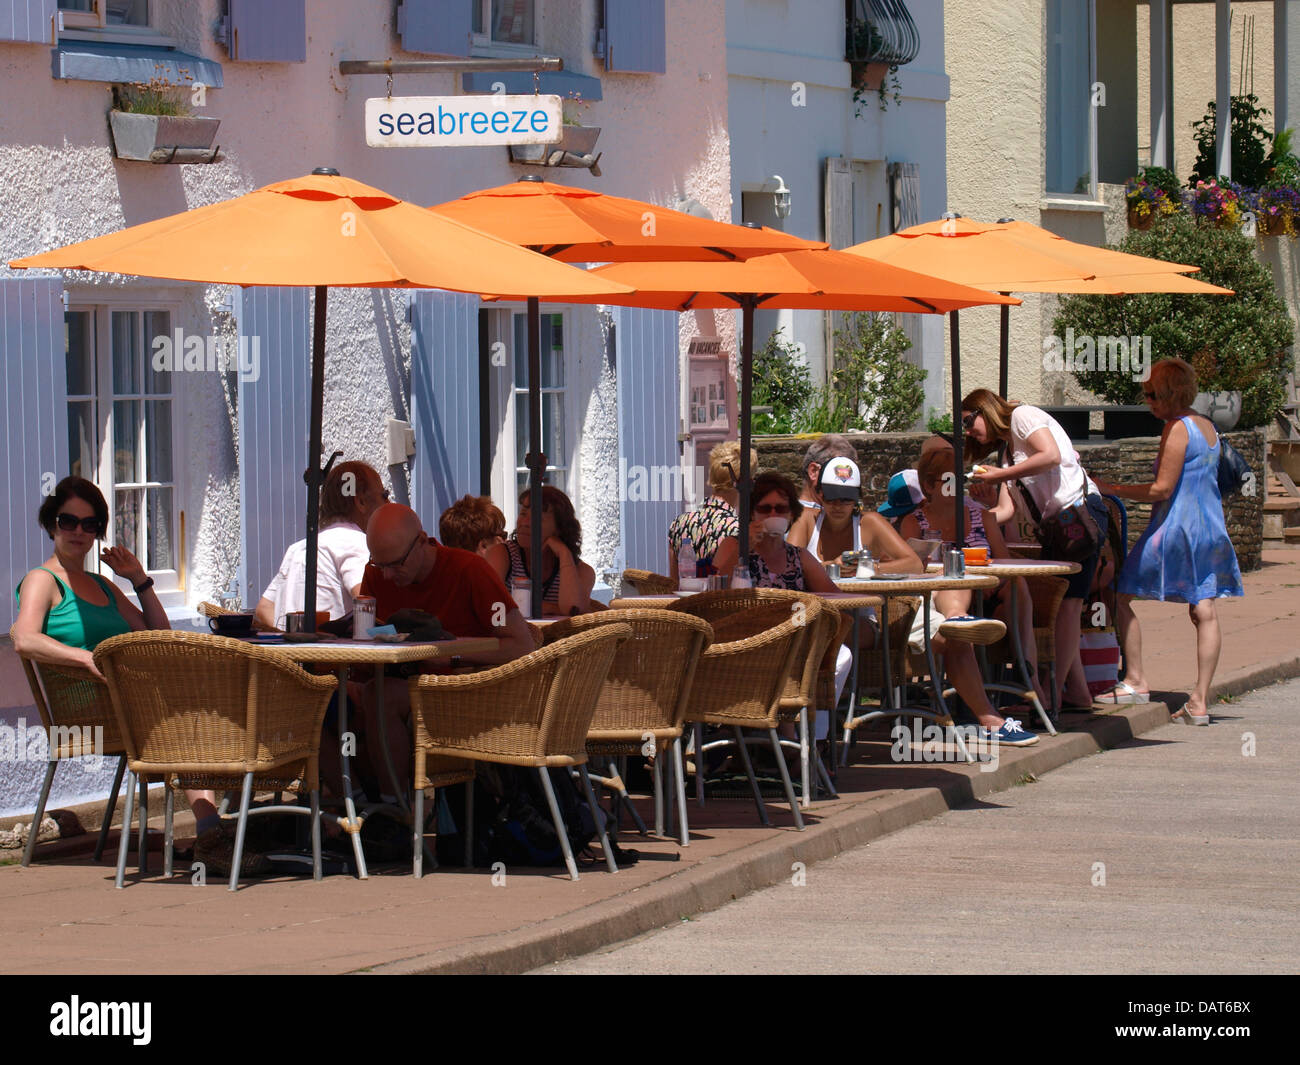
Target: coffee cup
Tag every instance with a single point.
(976, 556)
(296, 621)
(231, 624)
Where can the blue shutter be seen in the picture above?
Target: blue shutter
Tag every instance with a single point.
(27, 20)
(444, 401)
(635, 37)
(267, 31)
(649, 415)
(34, 433)
(274, 418)
(439, 26)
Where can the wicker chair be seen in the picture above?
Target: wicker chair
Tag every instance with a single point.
(211, 610)
(644, 695)
(647, 583)
(811, 687)
(740, 684)
(74, 705)
(534, 711)
(216, 713)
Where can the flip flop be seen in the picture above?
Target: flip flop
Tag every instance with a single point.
(1122, 693)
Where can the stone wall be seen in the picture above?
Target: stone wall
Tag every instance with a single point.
(1131, 460)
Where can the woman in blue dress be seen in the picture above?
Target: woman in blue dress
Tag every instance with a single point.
(1185, 554)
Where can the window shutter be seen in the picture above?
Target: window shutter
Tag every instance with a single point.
(439, 26)
(34, 433)
(444, 401)
(649, 416)
(905, 194)
(28, 20)
(267, 31)
(635, 37)
(274, 418)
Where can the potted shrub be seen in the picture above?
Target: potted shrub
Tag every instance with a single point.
(153, 122)
(867, 73)
(1236, 343)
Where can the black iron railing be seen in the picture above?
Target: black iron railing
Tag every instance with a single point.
(881, 31)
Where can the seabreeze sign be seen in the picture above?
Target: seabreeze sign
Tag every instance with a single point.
(445, 121)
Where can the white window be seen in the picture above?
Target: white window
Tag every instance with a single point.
(508, 388)
(1071, 118)
(121, 419)
(122, 21)
(504, 25)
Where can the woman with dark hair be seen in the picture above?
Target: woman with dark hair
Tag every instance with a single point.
(566, 581)
(64, 613)
(1044, 461)
(773, 563)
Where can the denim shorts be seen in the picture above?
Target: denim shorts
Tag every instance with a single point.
(1081, 583)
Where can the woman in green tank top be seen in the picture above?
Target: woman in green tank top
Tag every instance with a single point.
(65, 612)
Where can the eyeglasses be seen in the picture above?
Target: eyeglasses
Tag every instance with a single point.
(68, 522)
(772, 508)
(968, 420)
(401, 561)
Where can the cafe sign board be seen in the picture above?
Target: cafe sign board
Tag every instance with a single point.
(451, 121)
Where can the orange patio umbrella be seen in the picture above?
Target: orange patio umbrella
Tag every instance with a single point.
(580, 226)
(323, 230)
(810, 280)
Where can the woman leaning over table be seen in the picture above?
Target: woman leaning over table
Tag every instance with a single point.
(64, 613)
(1044, 461)
(1185, 554)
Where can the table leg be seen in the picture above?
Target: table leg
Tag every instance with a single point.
(1023, 666)
(352, 826)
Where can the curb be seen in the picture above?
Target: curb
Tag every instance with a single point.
(767, 862)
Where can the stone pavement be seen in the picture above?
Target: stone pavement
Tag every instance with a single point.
(1173, 853)
(65, 916)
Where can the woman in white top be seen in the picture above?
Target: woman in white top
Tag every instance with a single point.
(1044, 461)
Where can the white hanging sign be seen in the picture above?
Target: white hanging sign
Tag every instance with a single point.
(448, 121)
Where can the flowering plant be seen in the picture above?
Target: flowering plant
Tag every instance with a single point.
(1278, 209)
(1217, 203)
(1146, 200)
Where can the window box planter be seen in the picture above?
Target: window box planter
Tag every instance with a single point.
(163, 138)
(573, 149)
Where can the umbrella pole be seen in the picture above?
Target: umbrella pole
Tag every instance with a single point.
(746, 399)
(535, 461)
(313, 474)
(1004, 347)
(958, 465)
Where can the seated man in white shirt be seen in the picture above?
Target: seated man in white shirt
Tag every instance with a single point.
(351, 493)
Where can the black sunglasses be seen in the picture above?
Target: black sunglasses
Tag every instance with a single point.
(401, 561)
(68, 522)
(968, 420)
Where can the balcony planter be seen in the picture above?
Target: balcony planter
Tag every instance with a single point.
(163, 138)
(1222, 408)
(575, 144)
(869, 75)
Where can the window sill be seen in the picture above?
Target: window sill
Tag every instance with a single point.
(1051, 203)
(96, 60)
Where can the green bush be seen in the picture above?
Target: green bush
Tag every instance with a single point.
(1235, 342)
(781, 382)
(939, 422)
(1249, 140)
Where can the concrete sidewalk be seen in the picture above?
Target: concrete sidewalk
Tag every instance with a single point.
(68, 918)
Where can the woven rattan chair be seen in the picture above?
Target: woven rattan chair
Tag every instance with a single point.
(77, 716)
(644, 695)
(215, 713)
(813, 686)
(534, 711)
(211, 610)
(647, 583)
(740, 684)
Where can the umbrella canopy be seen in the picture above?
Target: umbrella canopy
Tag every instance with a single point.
(1133, 284)
(811, 280)
(1102, 262)
(323, 230)
(579, 225)
(582, 226)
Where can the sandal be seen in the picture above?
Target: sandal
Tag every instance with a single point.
(1123, 692)
(1188, 718)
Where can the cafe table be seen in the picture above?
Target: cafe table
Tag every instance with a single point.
(908, 584)
(1020, 567)
(342, 655)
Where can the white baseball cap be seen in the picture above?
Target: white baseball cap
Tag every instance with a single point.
(841, 479)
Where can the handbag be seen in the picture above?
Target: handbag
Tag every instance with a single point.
(1233, 470)
(1072, 535)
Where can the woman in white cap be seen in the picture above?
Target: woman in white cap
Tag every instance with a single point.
(841, 526)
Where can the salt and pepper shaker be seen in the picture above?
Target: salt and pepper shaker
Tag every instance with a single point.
(866, 566)
(954, 563)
